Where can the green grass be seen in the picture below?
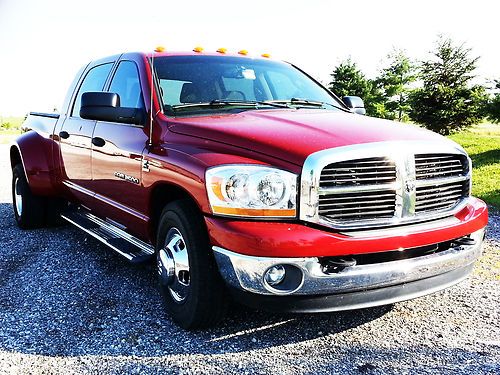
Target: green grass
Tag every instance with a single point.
(482, 143)
(10, 123)
(9, 128)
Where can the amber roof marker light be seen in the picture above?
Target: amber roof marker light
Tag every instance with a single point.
(222, 50)
(243, 52)
(266, 55)
(198, 49)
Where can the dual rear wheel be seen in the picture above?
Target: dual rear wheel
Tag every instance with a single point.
(29, 209)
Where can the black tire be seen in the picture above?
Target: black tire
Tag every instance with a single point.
(29, 209)
(196, 298)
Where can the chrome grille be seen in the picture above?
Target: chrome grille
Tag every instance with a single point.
(372, 171)
(344, 202)
(358, 206)
(440, 196)
(428, 166)
(384, 184)
(442, 181)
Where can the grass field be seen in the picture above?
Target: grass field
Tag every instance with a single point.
(9, 128)
(482, 143)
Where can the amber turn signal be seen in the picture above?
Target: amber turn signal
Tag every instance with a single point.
(256, 212)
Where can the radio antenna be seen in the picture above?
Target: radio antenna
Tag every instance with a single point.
(157, 49)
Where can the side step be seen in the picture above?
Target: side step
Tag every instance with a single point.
(132, 248)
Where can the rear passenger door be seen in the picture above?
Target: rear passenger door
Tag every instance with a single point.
(75, 136)
(117, 156)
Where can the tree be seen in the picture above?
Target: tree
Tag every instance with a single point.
(394, 84)
(448, 101)
(347, 79)
(493, 105)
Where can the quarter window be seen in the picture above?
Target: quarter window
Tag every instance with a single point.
(126, 84)
(93, 81)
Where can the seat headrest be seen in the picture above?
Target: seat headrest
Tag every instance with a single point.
(190, 93)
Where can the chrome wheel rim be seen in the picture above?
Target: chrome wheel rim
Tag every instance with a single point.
(173, 265)
(18, 197)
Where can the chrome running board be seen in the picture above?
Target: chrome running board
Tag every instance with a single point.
(128, 246)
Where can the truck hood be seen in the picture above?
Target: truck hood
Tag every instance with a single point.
(292, 135)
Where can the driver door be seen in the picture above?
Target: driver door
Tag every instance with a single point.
(117, 156)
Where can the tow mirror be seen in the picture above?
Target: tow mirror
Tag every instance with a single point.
(105, 106)
(355, 103)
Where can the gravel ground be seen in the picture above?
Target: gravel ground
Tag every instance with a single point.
(69, 305)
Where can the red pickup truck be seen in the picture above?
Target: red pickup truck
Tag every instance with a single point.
(243, 177)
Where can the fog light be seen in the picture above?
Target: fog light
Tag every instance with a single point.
(275, 275)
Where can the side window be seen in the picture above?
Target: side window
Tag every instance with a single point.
(93, 81)
(126, 84)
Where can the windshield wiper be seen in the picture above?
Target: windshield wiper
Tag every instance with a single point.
(224, 103)
(307, 102)
(312, 103)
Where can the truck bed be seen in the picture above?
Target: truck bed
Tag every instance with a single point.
(42, 123)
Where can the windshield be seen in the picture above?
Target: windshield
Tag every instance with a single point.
(219, 83)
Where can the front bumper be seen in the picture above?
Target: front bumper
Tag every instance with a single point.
(352, 300)
(355, 286)
(276, 239)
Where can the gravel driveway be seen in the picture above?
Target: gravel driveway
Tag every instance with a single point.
(69, 305)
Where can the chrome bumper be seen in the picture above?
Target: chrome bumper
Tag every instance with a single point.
(246, 273)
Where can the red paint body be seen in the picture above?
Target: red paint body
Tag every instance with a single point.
(183, 148)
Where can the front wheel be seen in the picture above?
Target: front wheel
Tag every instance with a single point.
(192, 289)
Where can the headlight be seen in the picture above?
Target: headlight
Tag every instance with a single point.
(252, 190)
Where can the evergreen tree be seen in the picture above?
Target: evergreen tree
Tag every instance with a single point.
(448, 101)
(394, 83)
(493, 105)
(347, 79)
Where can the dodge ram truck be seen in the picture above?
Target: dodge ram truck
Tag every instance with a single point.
(241, 177)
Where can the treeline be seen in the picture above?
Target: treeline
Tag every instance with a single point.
(438, 93)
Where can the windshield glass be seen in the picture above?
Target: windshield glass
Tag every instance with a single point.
(227, 80)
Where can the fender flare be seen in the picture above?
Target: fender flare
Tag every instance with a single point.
(35, 153)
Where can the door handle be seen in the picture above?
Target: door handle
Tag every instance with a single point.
(98, 141)
(63, 134)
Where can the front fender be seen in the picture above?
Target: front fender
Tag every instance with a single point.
(184, 166)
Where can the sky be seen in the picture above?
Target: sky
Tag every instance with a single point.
(43, 43)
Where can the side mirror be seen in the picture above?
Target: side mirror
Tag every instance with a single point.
(355, 103)
(105, 106)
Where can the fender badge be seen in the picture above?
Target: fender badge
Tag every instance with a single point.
(126, 177)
